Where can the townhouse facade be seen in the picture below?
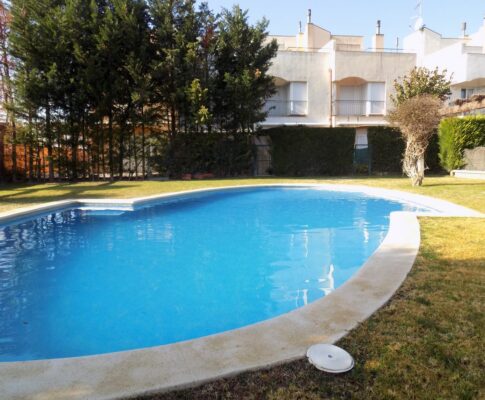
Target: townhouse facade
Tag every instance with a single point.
(326, 80)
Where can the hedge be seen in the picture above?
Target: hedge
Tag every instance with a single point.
(387, 149)
(218, 153)
(303, 151)
(458, 134)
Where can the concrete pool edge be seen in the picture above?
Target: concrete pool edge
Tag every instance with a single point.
(270, 342)
(441, 207)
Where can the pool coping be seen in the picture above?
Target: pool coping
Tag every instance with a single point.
(284, 338)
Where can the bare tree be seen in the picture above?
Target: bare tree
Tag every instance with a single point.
(417, 118)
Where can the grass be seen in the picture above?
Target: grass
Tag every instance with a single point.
(426, 343)
(470, 193)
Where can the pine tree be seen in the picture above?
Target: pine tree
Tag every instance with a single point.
(34, 40)
(175, 31)
(242, 61)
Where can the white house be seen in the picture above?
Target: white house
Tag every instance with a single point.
(463, 58)
(326, 80)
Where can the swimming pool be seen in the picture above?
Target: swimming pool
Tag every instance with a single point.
(90, 281)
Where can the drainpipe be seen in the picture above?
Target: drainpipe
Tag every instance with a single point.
(331, 97)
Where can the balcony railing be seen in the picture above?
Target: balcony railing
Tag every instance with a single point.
(285, 108)
(360, 107)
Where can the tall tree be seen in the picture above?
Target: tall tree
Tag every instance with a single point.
(34, 40)
(94, 75)
(175, 32)
(110, 53)
(242, 61)
(135, 76)
(6, 91)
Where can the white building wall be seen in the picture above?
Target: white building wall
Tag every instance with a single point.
(309, 67)
(337, 69)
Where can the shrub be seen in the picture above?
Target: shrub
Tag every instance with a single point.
(456, 135)
(302, 151)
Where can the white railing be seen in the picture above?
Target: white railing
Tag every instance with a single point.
(360, 107)
(285, 108)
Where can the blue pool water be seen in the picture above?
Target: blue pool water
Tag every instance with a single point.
(81, 282)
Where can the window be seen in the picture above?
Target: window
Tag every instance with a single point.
(298, 98)
(376, 94)
(351, 100)
(364, 99)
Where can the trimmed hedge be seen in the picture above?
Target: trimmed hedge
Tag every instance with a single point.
(202, 152)
(387, 147)
(458, 134)
(303, 151)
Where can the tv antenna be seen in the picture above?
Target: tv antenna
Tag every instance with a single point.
(418, 22)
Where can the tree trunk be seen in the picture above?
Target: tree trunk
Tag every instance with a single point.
(98, 152)
(2, 153)
(48, 132)
(31, 162)
(418, 179)
(413, 163)
(103, 158)
(143, 171)
(25, 159)
(74, 146)
(110, 144)
(134, 153)
(83, 144)
(14, 151)
(121, 155)
(39, 162)
(59, 155)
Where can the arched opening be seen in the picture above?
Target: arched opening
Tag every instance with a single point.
(291, 98)
(358, 97)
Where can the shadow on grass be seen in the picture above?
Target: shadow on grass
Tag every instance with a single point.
(454, 184)
(32, 194)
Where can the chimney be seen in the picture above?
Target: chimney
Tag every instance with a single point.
(463, 29)
(300, 30)
(309, 16)
(378, 39)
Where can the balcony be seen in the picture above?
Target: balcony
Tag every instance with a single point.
(359, 107)
(285, 108)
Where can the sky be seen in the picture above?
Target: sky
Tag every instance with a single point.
(358, 17)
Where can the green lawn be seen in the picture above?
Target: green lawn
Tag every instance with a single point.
(426, 343)
(470, 193)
